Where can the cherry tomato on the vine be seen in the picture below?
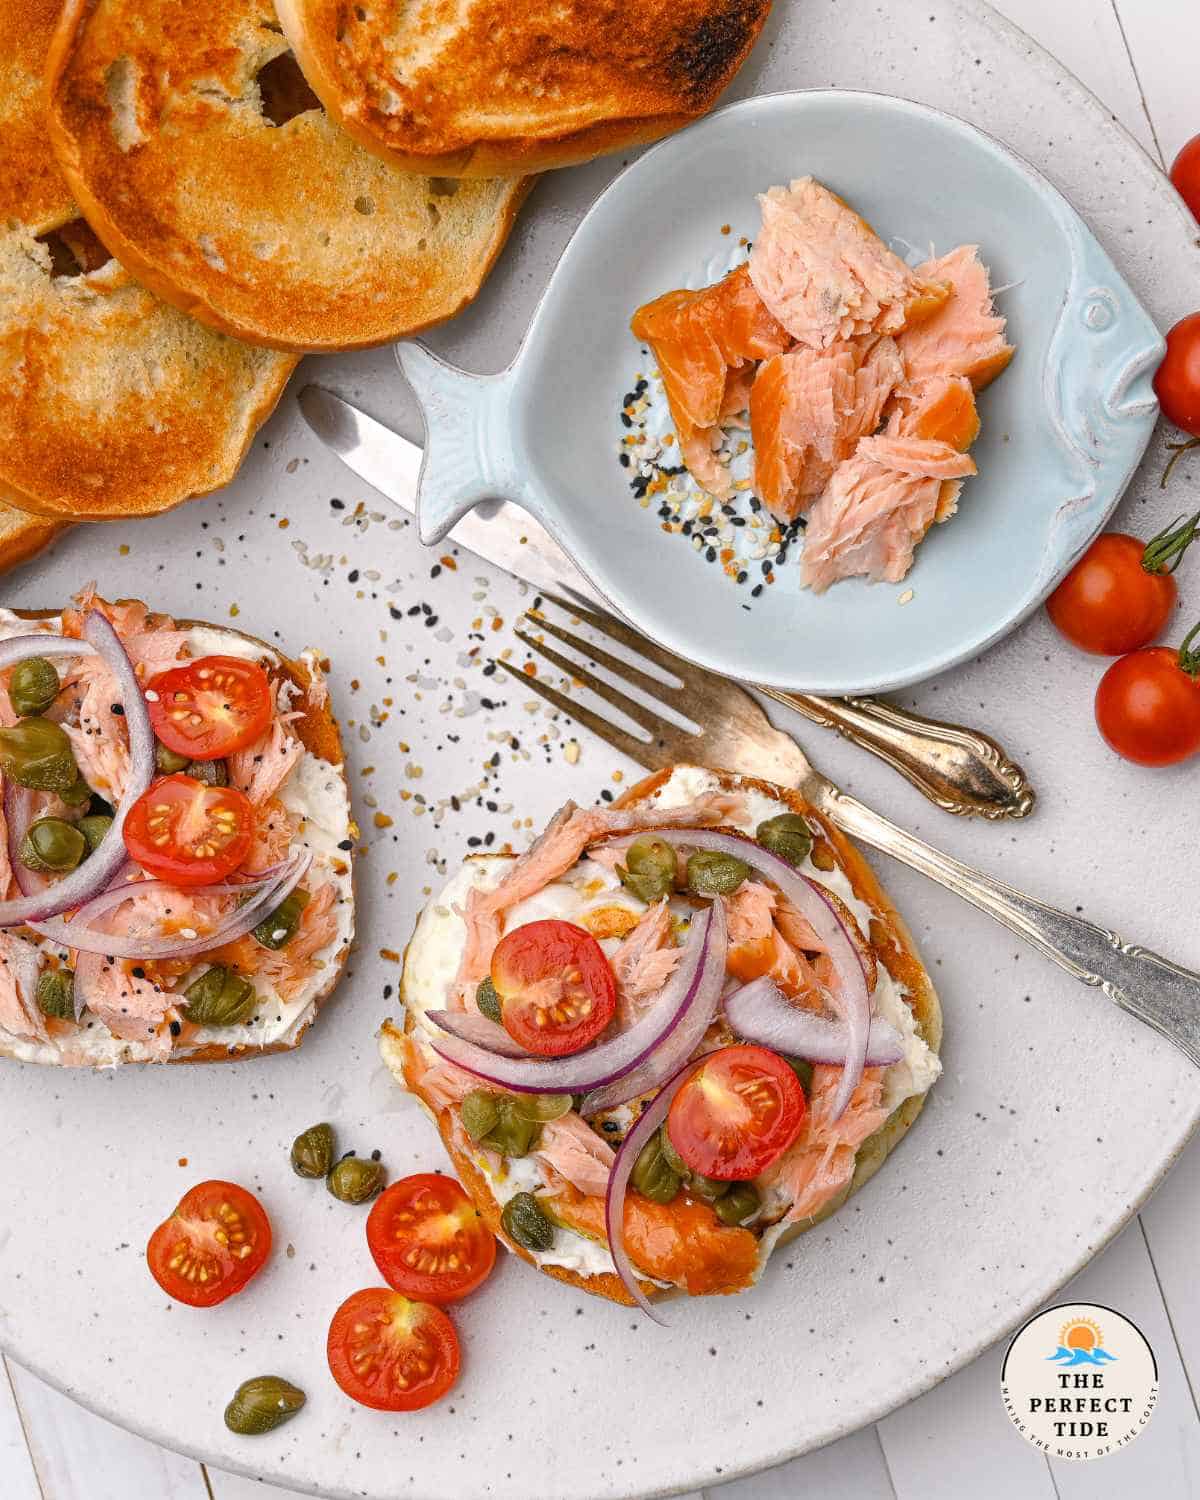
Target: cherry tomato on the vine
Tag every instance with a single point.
(1185, 174)
(1148, 704)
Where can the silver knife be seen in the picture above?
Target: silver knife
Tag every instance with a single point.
(961, 770)
(499, 532)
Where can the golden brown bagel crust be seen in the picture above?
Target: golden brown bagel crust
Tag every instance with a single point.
(114, 403)
(288, 236)
(503, 88)
(892, 945)
(317, 730)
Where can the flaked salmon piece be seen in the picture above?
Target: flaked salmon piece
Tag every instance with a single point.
(552, 854)
(289, 968)
(133, 1008)
(275, 832)
(572, 1149)
(966, 335)
(736, 401)
(826, 275)
(942, 408)
(20, 964)
(698, 339)
(808, 409)
(644, 962)
(877, 507)
(820, 1161)
(100, 740)
(261, 769)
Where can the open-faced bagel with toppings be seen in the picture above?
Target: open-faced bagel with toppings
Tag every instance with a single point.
(695, 1014)
(175, 840)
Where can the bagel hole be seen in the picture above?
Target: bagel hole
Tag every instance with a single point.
(74, 250)
(284, 90)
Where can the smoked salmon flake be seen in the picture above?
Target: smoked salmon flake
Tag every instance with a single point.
(858, 373)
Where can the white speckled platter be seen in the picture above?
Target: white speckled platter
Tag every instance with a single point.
(1056, 1115)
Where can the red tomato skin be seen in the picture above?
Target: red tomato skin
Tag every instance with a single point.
(1108, 604)
(750, 1154)
(1177, 381)
(192, 1205)
(376, 1304)
(1148, 710)
(249, 690)
(165, 862)
(1185, 174)
(529, 955)
(473, 1242)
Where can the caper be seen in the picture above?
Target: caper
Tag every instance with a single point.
(281, 926)
(653, 1176)
(649, 870)
(738, 1204)
(77, 795)
(788, 835)
(94, 827)
(55, 994)
(210, 772)
(355, 1179)
(708, 1188)
(37, 753)
(488, 1000)
(33, 686)
(169, 761)
(711, 873)
(541, 1107)
(672, 1157)
(262, 1404)
(803, 1071)
(480, 1111)
(220, 998)
(523, 1221)
(513, 1134)
(51, 844)
(312, 1151)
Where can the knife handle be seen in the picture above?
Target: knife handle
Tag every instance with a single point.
(961, 770)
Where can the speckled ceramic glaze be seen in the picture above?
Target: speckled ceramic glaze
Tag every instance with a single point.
(1063, 428)
(1056, 1114)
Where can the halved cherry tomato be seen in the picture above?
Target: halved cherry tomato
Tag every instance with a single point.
(215, 1241)
(210, 707)
(1120, 593)
(557, 991)
(429, 1240)
(189, 833)
(1185, 174)
(1148, 705)
(392, 1354)
(740, 1110)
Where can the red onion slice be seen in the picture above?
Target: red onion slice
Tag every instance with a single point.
(618, 1180)
(18, 815)
(94, 874)
(852, 998)
(759, 1012)
(81, 933)
(676, 1048)
(20, 648)
(470, 1026)
(611, 1060)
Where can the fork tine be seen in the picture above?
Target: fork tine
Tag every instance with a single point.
(623, 669)
(617, 630)
(641, 716)
(650, 755)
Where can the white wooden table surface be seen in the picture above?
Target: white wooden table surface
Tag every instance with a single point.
(1139, 57)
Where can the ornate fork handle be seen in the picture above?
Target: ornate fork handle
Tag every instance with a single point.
(961, 770)
(1157, 991)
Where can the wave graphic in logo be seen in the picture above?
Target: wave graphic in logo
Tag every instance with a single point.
(1065, 1357)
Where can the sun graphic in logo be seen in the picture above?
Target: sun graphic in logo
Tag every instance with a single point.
(1080, 1342)
(1082, 1333)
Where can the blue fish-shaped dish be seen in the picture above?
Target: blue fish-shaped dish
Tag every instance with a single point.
(1063, 428)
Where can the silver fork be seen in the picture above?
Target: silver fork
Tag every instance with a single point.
(731, 732)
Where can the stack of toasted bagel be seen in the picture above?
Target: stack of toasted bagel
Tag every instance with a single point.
(184, 212)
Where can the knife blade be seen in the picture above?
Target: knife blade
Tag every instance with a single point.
(499, 532)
